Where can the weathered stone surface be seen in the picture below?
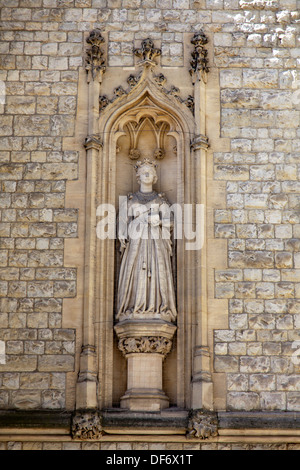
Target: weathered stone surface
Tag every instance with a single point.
(252, 121)
(56, 363)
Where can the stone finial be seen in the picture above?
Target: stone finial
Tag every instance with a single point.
(202, 424)
(95, 64)
(147, 52)
(86, 425)
(199, 62)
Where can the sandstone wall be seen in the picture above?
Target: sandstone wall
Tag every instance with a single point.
(254, 49)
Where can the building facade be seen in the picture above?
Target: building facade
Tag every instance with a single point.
(208, 91)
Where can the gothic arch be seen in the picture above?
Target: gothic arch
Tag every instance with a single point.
(147, 103)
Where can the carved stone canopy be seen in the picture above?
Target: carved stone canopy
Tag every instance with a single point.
(144, 104)
(144, 119)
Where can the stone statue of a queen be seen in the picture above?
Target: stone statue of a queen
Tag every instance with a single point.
(146, 287)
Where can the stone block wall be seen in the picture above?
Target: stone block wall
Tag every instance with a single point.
(260, 114)
(255, 47)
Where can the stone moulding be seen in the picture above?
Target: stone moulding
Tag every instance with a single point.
(144, 101)
(64, 423)
(200, 142)
(86, 425)
(118, 92)
(93, 141)
(145, 344)
(202, 424)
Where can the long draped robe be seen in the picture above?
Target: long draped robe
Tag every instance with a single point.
(146, 288)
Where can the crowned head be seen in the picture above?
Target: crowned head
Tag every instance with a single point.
(146, 166)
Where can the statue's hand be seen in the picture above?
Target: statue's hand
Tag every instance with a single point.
(154, 219)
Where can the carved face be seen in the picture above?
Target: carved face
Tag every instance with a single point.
(147, 174)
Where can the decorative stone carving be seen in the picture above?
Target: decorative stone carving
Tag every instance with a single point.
(135, 129)
(103, 102)
(146, 288)
(93, 141)
(190, 102)
(199, 62)
(145, 344)
(119, 91)
(174, 91)
(159, 154)
(160, 79)
(200, 142)
(147, 52)
(86, 425)
(95, 63)
(202, 424)
(134, 154)
(132, 80)
(146, 305)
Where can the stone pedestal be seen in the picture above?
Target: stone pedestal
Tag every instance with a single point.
(145, 345)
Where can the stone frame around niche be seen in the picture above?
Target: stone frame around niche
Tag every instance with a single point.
(146, 96)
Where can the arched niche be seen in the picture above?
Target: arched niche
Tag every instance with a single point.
(146, 122)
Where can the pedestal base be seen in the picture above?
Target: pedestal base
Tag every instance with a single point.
(144, 400)
(145, 345)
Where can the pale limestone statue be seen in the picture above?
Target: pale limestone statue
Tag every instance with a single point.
(146, 288)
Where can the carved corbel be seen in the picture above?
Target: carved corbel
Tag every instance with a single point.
(199, 63)
(95, 63)
(202, 424)
(86, 425)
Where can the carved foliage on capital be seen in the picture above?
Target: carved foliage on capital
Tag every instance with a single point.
(202, 424)
(86, 425)
(145, 344)
(95, 63)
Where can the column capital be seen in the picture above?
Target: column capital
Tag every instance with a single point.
(200, 142)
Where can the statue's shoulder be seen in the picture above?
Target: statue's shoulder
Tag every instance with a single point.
(163, 199)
